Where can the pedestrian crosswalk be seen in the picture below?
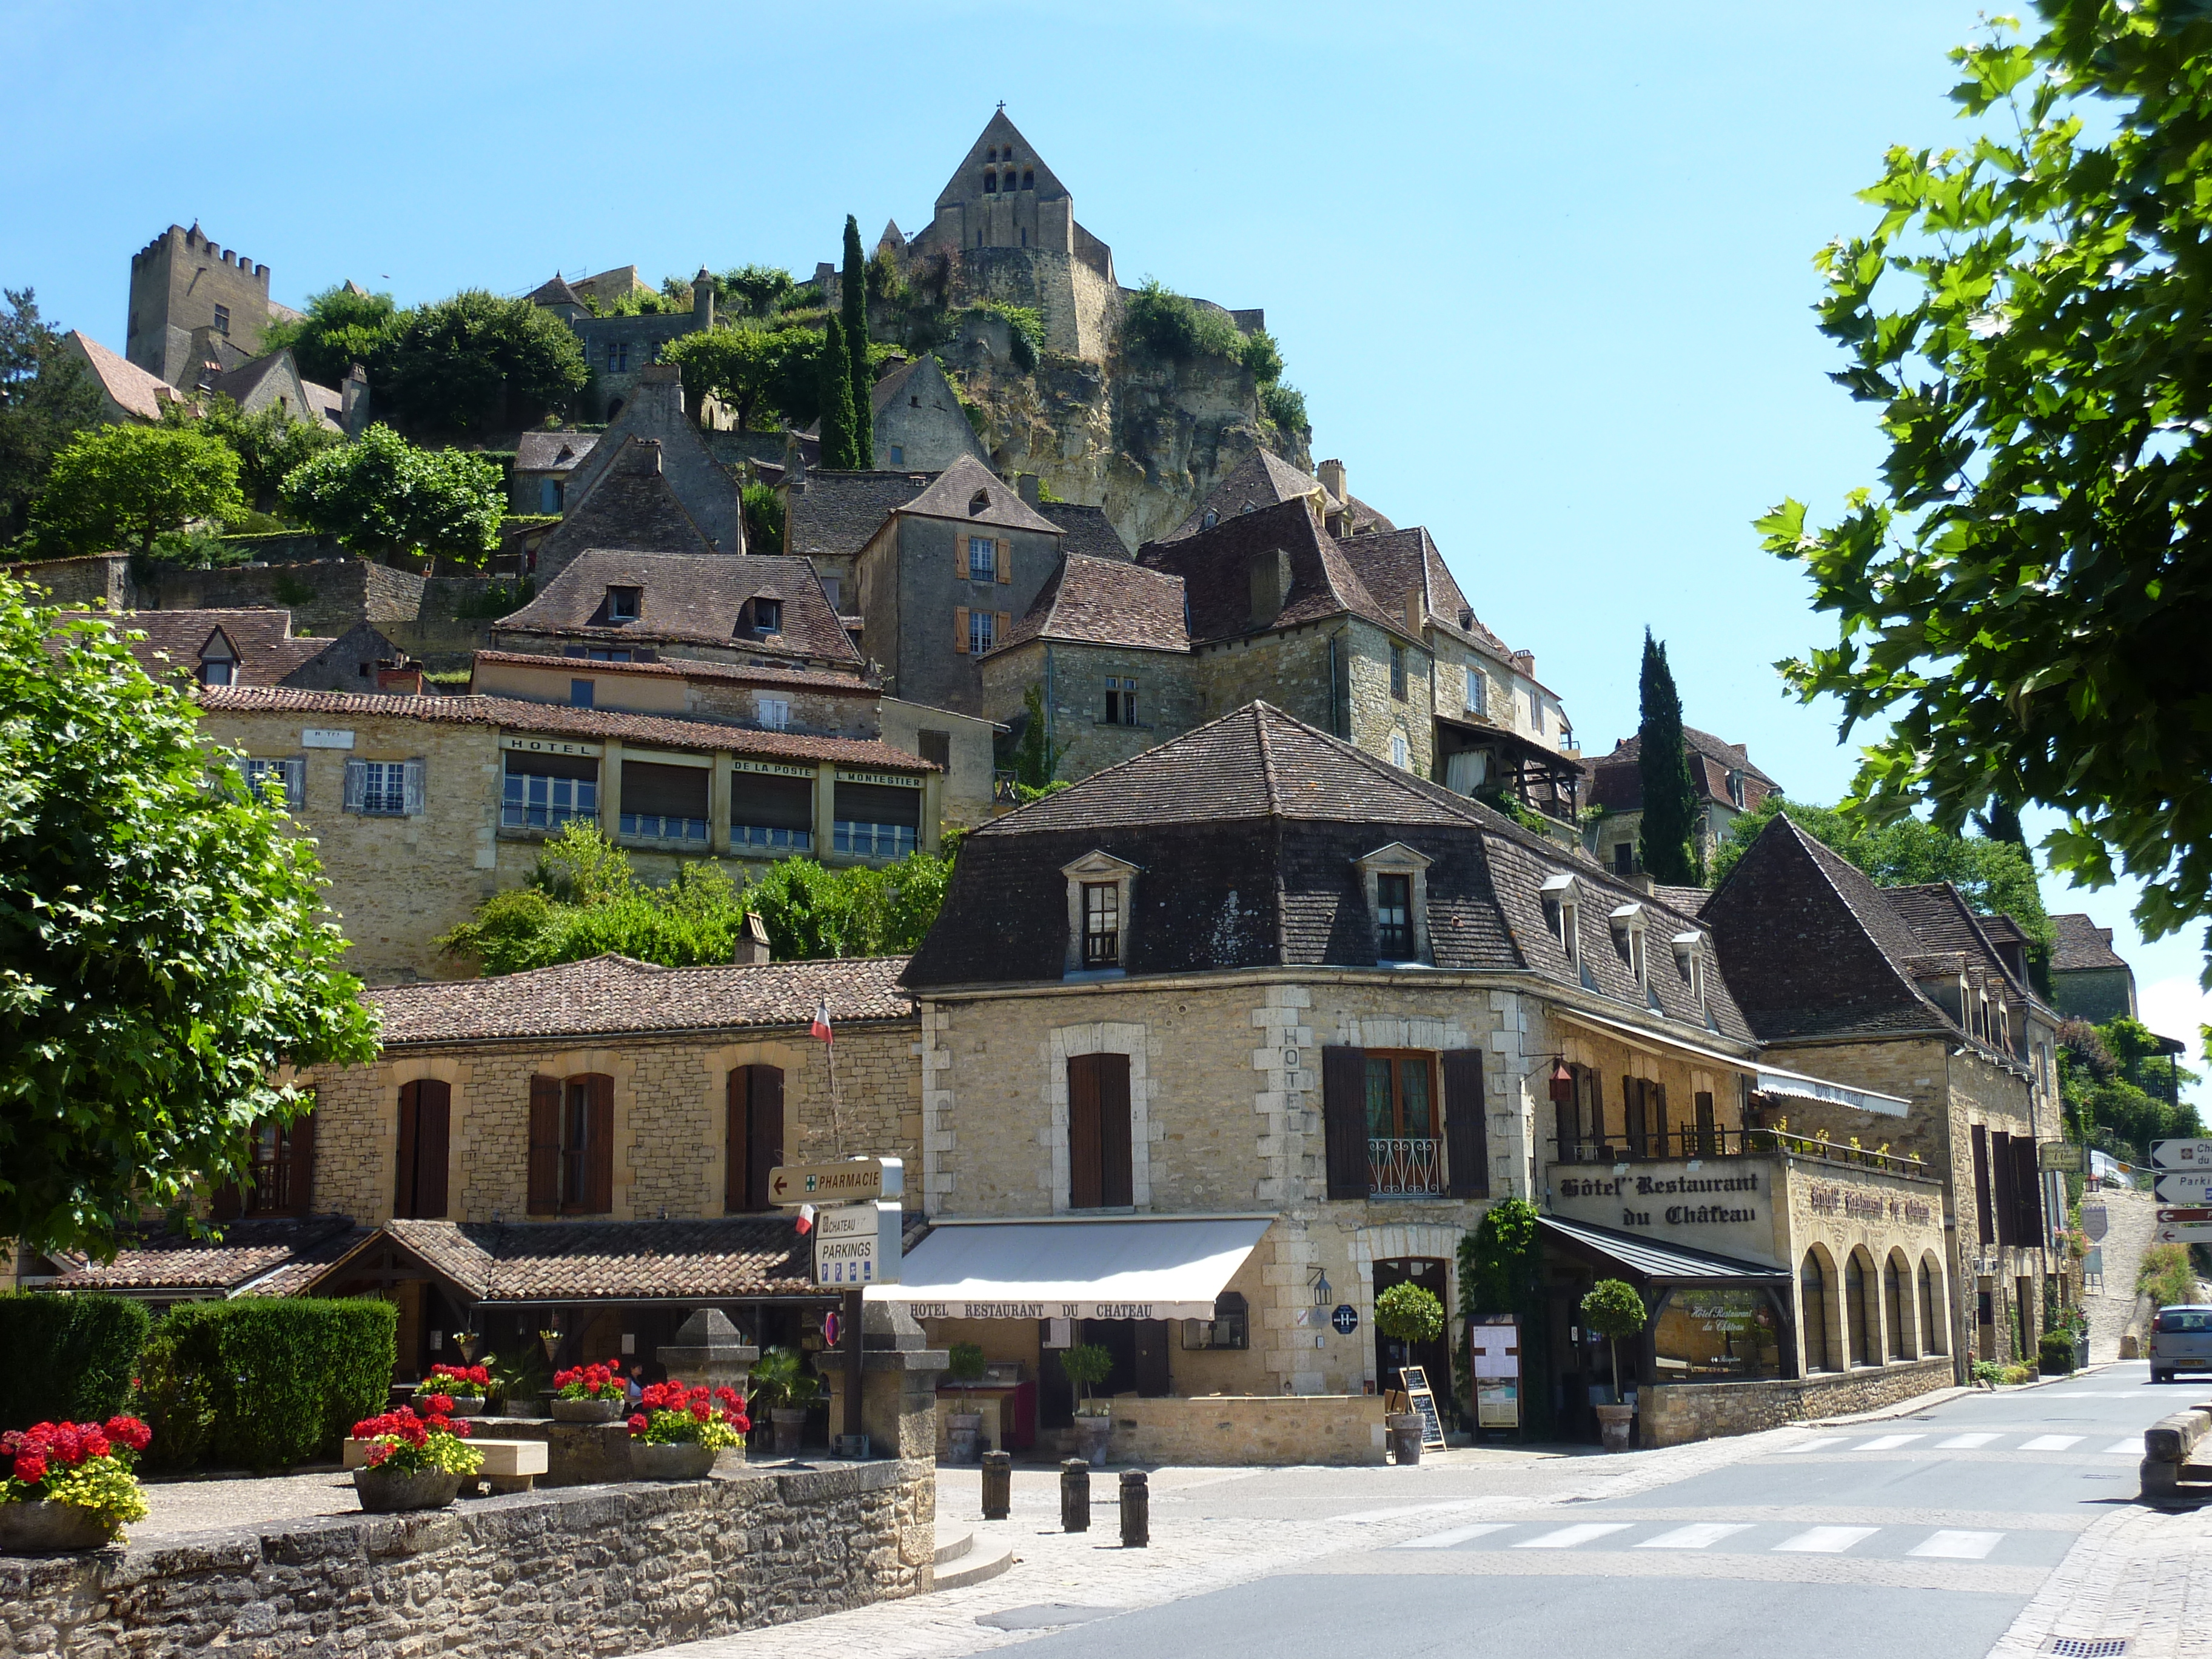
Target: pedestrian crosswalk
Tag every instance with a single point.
(1979, 1441)
(1775, 1538)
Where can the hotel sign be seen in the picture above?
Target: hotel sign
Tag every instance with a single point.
(1060, 1309)
(774, 768)
(548, 745)
(896, 780)
(1722, 1207)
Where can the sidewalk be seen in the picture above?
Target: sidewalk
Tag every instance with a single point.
(2138, 1576)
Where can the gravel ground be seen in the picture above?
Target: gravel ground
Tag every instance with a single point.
(2132, 1215)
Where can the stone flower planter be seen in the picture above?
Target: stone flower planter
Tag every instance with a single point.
(387, 1491)
(589, 1411)
(789, 1422)
(962, 1431)
(1091, 1434)
(31, 1528)
(465, 1405)
(1614, 1423)
(680, 1460)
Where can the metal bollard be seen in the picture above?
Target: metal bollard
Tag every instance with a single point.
(1075, 1495)
(1136, 1509)
(998, 1484)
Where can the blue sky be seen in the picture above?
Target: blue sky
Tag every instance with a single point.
(1542, 273)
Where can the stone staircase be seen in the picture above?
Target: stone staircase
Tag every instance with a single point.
(963, 1559)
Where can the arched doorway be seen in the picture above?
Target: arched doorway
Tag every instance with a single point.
(1813, 1311)
(1434, 1357)
(1934, 1316)
(1896, 1302)
(1858, 1327)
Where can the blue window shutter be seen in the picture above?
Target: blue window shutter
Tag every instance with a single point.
(414, 782)
(356, 785)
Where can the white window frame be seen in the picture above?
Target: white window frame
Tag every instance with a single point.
(1628, 924)
(1397, 859)
(1098, 868)
(1401, 752)
(989, 547)
(1477, 698)
(1690, 959)
(412, 789)
(775, 713)
(1561, 895)
(291, 768)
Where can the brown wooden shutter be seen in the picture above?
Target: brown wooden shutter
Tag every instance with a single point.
(1116, 1173)
(2004, 1199)
(960, 629)
(1085, 1152)
(2028, 1184)
(434, 1138)
(1631, 1114)
(1002, 625)
(765, 1144)
(1658, 1126)
(227, 1202)
(300, 1176)
(959, 556)
(1467, 1137)
(544, 1145)
(736, 1139)
(403, 1185)
(1344, 1120)
(599, 1145)
(1984, 1222)
(1002, 560)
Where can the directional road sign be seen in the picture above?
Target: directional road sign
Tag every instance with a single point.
(2181, 1155)
(2184, 1187)
(854, 1181)
(857, 1245)
(2194, 1214)
(2183, 1232)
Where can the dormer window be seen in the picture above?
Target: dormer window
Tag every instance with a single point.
(624, 605)
(979, 502)
(767, 617)
(218, 660)
(1628, 939)
(1208, 519)
(1098, 887)
(1563, 915)
(1396, 882)
(1735, 790)
(1690, 961)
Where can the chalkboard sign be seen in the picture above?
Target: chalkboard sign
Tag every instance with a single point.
(1417, 1392)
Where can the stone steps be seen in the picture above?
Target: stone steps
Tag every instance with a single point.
(962, 1559)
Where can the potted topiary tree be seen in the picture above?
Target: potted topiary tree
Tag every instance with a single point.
(963, 1429)
(1087, 1365)
(1613, 1311)
(1407, 1314)
(782, 1387)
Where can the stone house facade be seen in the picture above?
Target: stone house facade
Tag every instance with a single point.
(654, 413)
(2089, 980)
(544, 464)
(1726, 783)
(920, 424)
(181, 282)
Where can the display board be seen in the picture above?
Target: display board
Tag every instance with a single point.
(1424, 1404)
(1494, 1355)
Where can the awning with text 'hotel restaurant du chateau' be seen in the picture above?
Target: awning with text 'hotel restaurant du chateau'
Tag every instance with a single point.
(1131, 1267)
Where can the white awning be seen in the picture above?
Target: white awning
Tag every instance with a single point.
(1772, 1080)
(1126, 1268)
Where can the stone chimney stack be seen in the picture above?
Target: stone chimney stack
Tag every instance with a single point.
(702, 299)
(1331, 474)
(1526, 662)
(751, 949)
(1026, 483)
(658, 398)
(353, 409)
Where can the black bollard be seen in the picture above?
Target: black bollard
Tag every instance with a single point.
(1136, 1509)
(1075, 1495)
(998, 1484)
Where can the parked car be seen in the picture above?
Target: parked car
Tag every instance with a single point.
(2180, 1340)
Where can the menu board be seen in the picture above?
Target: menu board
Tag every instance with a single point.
(1494, 1351)
(1424, 1403)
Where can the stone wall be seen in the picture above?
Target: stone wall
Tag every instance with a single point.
(1167, 704)
(599, 1570)
(326, 596)
(93, 579)
(1228, 1430)
(1671, 1413)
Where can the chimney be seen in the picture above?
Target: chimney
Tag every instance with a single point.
(353, 408)
(1526, 662)
(658, 400)
(702, 299)
(1026, 483)
(794, 463)
(1331, 474)
(751, 950)
(1417, 612)
(399, 679)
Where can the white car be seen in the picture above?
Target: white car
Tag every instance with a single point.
(2180, 1340)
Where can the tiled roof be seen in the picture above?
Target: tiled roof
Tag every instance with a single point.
(833, 516)
(2080, 944)
(686, 668)
(1086, 530)
(1687, 900)
(699, 597)
(611, 995)
(1942, 921)
(555, 293)
(1215, 567)
(1104, 602)
(1366, 521)
(552, 452)
(326, 401)
(1262, 479)
(892, 383)
(1618, 782)
(632, 507)
(134, 391)
(553, 718)
(616, 1261)
(1392, 563)
(243, 1259)
(265, 649)
(957, 489)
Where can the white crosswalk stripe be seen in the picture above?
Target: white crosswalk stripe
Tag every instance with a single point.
(1954, 1546)
(1702, 1534)
(1825, 1540)
(2052, 1442)
(1444, 1540)
(2124, 1448)
(1567, 1537)
(1890, 1441)
(1964, 1442)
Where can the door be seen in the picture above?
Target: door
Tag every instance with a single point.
(1434, 1357)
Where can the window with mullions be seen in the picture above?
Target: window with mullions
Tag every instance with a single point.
(771, 813)
(1398, 673)
(983, 559)
(383, 788)
(877, 820)
(1394, 918)
(981, 633)
(1102, 924)
(1399, 1101)
(284, 782)
(1120, 700)
(660, 802)
(543, 791)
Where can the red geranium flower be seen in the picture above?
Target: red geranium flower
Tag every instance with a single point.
(130, 1431)
(637, 1423)
(479, 1374)
(30, 1467)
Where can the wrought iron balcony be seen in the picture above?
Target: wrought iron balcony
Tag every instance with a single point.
(1688, 1140)
(1402, 1166)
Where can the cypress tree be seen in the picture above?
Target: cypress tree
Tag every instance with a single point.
(852, 291)
(836, 399)
(1667, 844)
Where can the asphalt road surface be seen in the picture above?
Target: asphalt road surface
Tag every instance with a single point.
(1921, 1536)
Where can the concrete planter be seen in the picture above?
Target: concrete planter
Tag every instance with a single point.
(789, 1424)
(681, 1460)
(1091, 1434)
(1614, 1423)
(588, 1411)
(36, 1528)
(388, 1492)
(1405, 1428)
(962, 1431)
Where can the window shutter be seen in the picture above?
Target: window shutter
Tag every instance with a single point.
(295, 783)
(414, 803)
(960, 629)
(1003, 624)
(1344, 1120)
(2005, 1198)
(403, 1186)
(1116, 1169)
(1984, 1225)
(1467, 1139)
(1085, 1152)
(959, 558)
(356, 785)
(1631, 1114)
(737, 1133)
(764, 1147)
(2028, 1181)
(1658, 1111)
(544, 1145)
(228, 1202)
(300, 1177)
(600, 1146)
(433, 1137)
(1002, 560)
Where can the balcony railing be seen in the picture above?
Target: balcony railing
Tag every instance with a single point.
(1688, 1141)
(1402, 1166)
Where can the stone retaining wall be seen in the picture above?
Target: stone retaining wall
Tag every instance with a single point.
(1223, 1430)
(604, 1571)
(1670, 1413)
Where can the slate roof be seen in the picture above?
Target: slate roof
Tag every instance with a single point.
(1215, 567)
(1085, 530)
(1392, 563)
(611, 995)
(726, 1256)
(2081, 944)
(833, 515)
(261, 641)
(1262, 479)
(686, 668)
(632, 507)
(514, 714)
(552, 452)
(955, 492)
(327, 401)
(1104, 602)
(1686, 901)
(134, 390)
(1617, 782)
(892, 383)
(1245, 832)
(272, 1257)
(241, 383)
(555, 293)
(702, 598)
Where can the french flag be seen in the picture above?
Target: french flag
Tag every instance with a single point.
(820, 1028)
(805, 1217)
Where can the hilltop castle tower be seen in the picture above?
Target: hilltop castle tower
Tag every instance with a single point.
(181, 282)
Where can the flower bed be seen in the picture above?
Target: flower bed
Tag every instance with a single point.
(404, 1442)
(460, 1382)
(591, 1383)
(87, 1466)
(672, 1415)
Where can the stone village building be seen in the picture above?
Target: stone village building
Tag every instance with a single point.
(1726, 784)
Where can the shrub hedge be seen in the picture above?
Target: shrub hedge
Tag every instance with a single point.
(68, 1356)
(284, 1377)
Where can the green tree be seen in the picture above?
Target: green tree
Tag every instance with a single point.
(45, 398)
(853, 299)
(122, 486)
(763, 510)
(269, 443)
(758, 288)
(1036, 758)
(834, 372)
(476, 363)
(1613, 1309)
(342, 326)
(1667, 842)
(741, 365)
(382, 495)
(2019, 602)
(163, 947)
